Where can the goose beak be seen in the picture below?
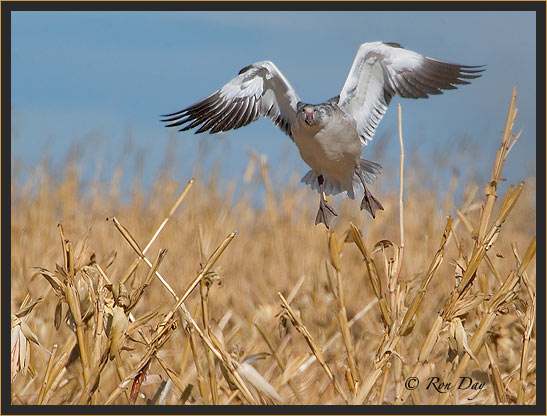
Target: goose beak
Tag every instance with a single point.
(309, 116)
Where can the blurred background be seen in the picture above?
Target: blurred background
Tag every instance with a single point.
(90, 87)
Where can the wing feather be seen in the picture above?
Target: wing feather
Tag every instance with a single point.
(380, 70)
(258, 90)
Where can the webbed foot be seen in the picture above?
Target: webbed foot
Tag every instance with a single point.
(325, 213)
(370, 203)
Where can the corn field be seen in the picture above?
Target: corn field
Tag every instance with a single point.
(185, 296)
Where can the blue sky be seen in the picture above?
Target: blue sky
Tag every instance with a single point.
(97, 82)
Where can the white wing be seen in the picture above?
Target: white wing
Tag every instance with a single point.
(382, 69)
(260, 89)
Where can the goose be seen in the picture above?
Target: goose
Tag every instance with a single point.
(330, 135)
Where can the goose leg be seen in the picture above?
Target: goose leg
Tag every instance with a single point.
(325, 212)
(369, 202)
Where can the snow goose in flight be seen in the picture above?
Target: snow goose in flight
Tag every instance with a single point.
(329, 136)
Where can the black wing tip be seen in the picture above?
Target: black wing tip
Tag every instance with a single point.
(167, 119)
(394, 45)
(467, 73)
(473, 66)
(185, 128)
(243, 70)
(175, 114)
(477, 68)
(472, 69)
(181, 113)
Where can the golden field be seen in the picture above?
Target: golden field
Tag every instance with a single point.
(281, 312)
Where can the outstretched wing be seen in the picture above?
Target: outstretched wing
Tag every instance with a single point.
(260, 89)
(381, 69)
